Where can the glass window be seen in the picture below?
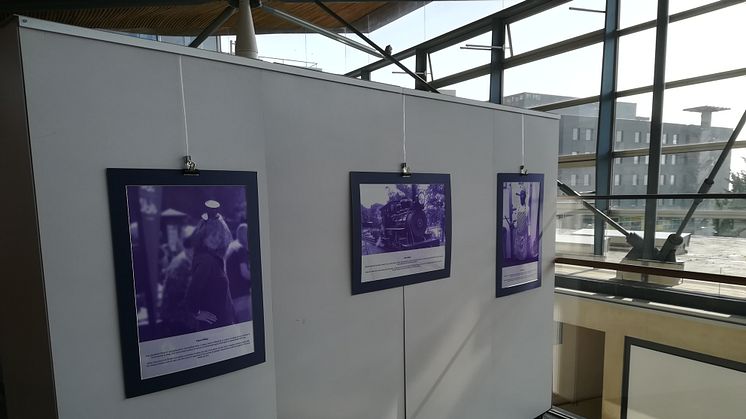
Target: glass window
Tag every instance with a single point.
(636, 159)
(645, 179)
(665, 138)
(672, 180)
(701, 114)
(617, 160)
(477, 89)
(392, 74)
(636, 60)
(705, 34)
(570, 75)
(440, 17)
(634, 179)
(573, 124)
(526, 37)
(675, 139)
(453, 59)
(588, 134)
(647, 159)
(619, 136)
(663, 180)
(647, 137)
(573, 179)
(632, 114)
(617, 180)
(663, 160)
(633, 12)
(586, 179)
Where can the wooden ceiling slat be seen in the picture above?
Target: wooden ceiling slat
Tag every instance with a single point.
(193, 18)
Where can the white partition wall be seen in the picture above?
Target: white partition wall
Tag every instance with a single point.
(441, 349)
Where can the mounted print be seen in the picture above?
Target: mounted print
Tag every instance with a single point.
(188, 275)
(519, 201)
(401, 229)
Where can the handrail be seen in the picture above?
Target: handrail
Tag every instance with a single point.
(638, 267)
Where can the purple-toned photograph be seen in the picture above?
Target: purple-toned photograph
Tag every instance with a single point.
(400, 217)
(520, 222)
(401, 229)
(519, 232)
(188, 273)
(190, 258)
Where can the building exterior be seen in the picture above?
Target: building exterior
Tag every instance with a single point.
(680, 173)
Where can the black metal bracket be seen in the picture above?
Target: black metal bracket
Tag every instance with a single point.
(406, 171)
(190, 167)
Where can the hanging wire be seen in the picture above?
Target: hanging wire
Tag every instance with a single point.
(404, 125)
(405, 170)
(183, 107)
(523, 169)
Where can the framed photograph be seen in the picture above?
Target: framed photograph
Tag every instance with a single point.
(401, 229)
(188, 275)
(519, 200)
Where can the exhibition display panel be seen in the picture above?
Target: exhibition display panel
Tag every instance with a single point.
(431, 342)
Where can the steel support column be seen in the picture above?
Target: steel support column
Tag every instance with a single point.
(496, 61)
(246, 35)
(420, 68)
(656, 128)
(606, 119)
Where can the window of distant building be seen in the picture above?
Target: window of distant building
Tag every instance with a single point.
(573, 180)
(636, 159)
(619, 136)
(647, 159)
(634, 180)
(617, 160)
(647, 137)
(675, 139)
(574, 153)
(672, 180)
(673, 159)
(645, 180)
(663, 160)
(588, 134)
(574, 134)
(663, 180)
(617, 180)
(586, 179)
(665, 138)
(637, 136)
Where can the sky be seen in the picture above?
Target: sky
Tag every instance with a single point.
(696, 46)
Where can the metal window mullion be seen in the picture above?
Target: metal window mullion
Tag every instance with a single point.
(496, 61)
(656, 128)
(606, 116)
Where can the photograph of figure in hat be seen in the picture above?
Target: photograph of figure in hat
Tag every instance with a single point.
(519, 229)
(182, 236)
(188, 271)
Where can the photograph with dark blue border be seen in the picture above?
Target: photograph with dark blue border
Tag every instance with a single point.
(400, 229)
(519, 203)
(188, 274)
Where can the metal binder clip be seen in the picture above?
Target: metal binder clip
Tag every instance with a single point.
(190, 167)
(405, 170)
(523, 171)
